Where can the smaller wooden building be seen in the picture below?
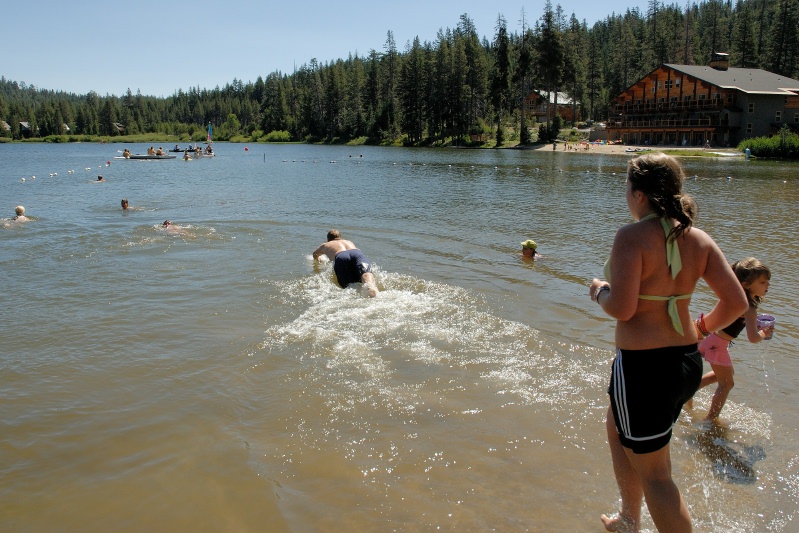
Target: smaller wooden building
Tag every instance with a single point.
(537, 108)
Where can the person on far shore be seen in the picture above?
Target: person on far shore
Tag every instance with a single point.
(654, 266)
(349, 263)
(20, 214)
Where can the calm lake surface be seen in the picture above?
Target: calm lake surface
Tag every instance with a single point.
(214, 379)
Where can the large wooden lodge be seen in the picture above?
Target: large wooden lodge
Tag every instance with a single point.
(690, 105)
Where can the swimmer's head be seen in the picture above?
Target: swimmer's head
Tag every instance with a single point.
(19, 210)
(100, 178)
(167, 223)
(124, 203)
(333, 234)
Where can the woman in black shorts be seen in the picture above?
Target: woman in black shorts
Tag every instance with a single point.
(654, 266)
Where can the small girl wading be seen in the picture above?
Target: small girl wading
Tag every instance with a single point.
(754, 277)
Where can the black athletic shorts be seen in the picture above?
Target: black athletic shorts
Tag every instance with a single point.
(647, 391)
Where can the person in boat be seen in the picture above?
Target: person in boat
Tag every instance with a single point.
(124, 203)
(20, 214)
(197, 150)
(151, 151)
(349, 263)
(209, 150)
(126, 153)
(177, 148)
(160, 151)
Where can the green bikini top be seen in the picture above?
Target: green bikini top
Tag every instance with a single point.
(675, 265)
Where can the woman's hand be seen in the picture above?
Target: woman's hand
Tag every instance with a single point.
(596, 285)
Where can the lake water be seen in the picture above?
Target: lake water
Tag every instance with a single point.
(214, 379)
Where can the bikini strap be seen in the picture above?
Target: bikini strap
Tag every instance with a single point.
(672, 249)
(674, 314)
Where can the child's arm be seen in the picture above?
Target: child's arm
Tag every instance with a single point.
(752, 333)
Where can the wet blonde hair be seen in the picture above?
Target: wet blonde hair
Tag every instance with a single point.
(19, 210)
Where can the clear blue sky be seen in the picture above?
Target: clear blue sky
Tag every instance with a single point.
(160, 47)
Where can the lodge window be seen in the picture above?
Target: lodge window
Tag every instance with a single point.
(796, 117)
(686, 98)
(729, 98)
(749, 128)
(751, 107)
(677, 82)
(778, 117)
(669, 84)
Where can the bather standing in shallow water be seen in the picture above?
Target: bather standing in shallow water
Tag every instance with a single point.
(654, 267)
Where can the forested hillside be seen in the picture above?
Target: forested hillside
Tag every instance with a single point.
(440, 90)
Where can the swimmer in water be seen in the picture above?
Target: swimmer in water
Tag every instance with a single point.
(124, 203)
(100, 178)
(20, 214)
(349, 263)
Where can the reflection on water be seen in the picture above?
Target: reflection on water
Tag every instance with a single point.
(219, 365)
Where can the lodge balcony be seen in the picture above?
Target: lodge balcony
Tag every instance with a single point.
(666, 122)
(692, 106)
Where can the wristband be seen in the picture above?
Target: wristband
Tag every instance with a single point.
(700, 325)
(599, 291)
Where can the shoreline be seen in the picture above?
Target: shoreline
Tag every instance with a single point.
(621, 149)
(611, 149)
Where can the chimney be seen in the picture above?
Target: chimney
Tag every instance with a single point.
(720, 61)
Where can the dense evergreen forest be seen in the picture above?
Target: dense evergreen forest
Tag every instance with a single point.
(435, 92)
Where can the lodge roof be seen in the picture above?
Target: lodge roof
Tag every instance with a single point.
(748, 80)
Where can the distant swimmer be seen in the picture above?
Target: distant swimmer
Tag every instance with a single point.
(20, 214)
(100, 178)
(124, 203)
(349, 263)
(171, 228)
